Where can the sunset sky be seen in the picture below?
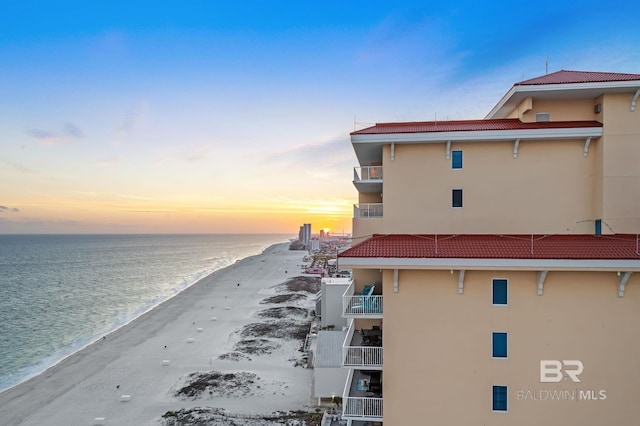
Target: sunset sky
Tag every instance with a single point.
(209, 116)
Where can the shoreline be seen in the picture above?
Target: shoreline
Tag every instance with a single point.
(112, 365)
(149, 308)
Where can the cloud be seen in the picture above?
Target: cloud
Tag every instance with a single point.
(333, 153)
(131, 121)
(90, 194)
(66, 133)
(9, 209)
(37, 226)
(128, 123)
(108, 162)
(17, 166)
(196, 155)
(72, 130)
(325, 164)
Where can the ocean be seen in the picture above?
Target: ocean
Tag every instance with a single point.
(59, 293)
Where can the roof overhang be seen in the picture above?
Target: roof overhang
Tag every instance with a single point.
(518, 93)
(368, 147)
(490, 264)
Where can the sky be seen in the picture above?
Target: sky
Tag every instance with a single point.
(234, 117)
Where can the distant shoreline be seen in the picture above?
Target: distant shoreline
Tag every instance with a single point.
(144, 312)
(83, 385)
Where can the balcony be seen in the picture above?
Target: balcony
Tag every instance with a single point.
(367, 210)
(362, 305)
(362, 397)
(362, 349)
(368, 179)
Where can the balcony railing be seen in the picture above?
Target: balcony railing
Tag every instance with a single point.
(363, 357)
(355, 354)
(360, 407)
(367, 173)
(367, 210)
(361, 306)
(368, 179)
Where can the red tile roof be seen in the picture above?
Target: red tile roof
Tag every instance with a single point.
(568, 77)
(596, 247)
(471, 125)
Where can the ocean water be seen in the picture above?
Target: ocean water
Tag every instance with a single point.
(59, 293)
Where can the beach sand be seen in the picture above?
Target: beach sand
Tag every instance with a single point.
(130, 377)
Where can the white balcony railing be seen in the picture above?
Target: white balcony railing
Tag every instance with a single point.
(367, 210)
(367, 173)
(356, 355)
(360, 407)
(361, 306)
(362, 357)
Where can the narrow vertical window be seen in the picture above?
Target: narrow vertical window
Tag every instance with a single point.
(499, 345)
(500, 292)
(456, 198)
(456, 159)
(499, 398)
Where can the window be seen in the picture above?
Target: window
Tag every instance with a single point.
(543, 116)
(456, 159)
(499, 345)
(500, 296)
(499, 398)
(456, 198)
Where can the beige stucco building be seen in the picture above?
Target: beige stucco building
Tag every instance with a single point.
(494, 262)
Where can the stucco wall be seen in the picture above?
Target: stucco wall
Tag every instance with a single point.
(437, 347)
(621, 164)
(562, 110)
(549, 188)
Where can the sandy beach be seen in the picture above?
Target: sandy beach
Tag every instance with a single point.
(239, 323)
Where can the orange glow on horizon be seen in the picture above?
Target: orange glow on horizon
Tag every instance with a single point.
(148, 216)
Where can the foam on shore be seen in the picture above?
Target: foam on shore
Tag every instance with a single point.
(128, 377)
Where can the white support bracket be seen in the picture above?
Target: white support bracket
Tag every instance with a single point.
(585, 151)
(461, 281)
(395, 281)
(448, 155)
(622, 281)
(634, 100)
(393, 151)
(516, 145)
(542, 275)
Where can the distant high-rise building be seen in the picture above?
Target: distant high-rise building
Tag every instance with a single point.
(306, 234)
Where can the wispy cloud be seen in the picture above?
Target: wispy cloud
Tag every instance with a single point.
(17, 166)
(64, 134)
(332, 154)
(89, 194)
(128, 124)
(131, 121)
(73, 131)
(185, 153)
(108, 162)
(134, 197)
(4, 209)
(196, 155)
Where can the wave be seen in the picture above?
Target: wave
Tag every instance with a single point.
(125, 316)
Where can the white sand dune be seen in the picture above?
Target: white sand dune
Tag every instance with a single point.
(127, 377)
